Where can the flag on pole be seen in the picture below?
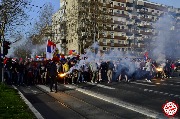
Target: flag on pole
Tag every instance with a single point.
(145, 56)
(50, 49)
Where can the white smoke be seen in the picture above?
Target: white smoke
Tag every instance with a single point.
(98, 56)
(164, 46)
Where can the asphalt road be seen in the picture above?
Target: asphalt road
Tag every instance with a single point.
(115, 100)
(149, 95)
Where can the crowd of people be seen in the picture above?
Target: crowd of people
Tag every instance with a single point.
(71, 71)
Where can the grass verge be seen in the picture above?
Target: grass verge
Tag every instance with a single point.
(12, 106)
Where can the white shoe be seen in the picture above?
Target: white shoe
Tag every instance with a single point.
(148, 81)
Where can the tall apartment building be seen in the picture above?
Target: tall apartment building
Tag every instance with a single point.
(125, 25)
(59, 27)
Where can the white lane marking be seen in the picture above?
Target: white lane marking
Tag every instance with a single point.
(102, 86)
(150, 90)
(170, 84)
(176, 96)
(171, 94)
(34, 91)
(156, 91)
(143, 81)
(166, 93)
(158, 83)
(31, 107)
(145, 89)
(142, 84)
(139, 109)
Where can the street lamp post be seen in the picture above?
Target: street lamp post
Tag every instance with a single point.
(1, 49)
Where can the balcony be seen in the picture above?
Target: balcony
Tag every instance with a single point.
(129, 1)
(120, 30)
(146, 33)
(120, 15)
(120, 37)
(129, 23)
(124, 1)
(119, 22)
(130, 37)
(129, 8)
(113, 44)
(119, 7)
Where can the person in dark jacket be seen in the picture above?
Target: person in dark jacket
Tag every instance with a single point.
(53, 76)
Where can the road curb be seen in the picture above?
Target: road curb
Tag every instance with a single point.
(31, 107)
(139, 109)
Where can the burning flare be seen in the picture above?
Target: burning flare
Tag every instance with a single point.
(62, 74)
(159, 69)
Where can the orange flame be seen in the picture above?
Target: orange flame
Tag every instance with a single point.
(159, 69)
(62, 75)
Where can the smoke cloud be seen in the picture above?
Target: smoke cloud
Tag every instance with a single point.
(166, 44)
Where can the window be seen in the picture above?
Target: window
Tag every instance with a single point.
(104, 42)
(112, 35)
(112, 48)
(104, 9)
(152, 10)
(122, 12)
(119, 49)
(104, 34)
(119, 4)
(111, 10)
(119, 42)
(118, 27)
(112, 27)
(122, 5)
(111, 41)
(72, 40)
(104, 48)
(118, 11)
(122, 27)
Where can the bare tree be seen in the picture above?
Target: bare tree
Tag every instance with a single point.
(13, 13)
(44, 18)
(42, 26)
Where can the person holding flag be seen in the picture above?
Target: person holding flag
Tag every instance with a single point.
(50, 49)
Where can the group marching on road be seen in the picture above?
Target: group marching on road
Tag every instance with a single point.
(19, 72)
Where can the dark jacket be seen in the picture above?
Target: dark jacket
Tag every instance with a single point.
(53, 69)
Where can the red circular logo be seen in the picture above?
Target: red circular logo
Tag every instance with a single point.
(170, 108)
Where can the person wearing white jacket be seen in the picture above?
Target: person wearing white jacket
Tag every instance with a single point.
(148, 67)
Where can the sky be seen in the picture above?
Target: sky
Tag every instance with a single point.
(174, 3)
(37, 4)
(56, 3)
(34, 8)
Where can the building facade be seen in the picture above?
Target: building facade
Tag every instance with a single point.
(58, 27)
(125, 25)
